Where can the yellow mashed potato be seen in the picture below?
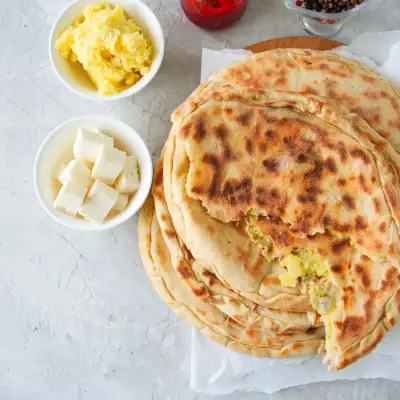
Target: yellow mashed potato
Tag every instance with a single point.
(302, 264)
(111, 47)
(312, 269)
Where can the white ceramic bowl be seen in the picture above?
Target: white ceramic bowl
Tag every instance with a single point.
(75, 78)
(58, 148)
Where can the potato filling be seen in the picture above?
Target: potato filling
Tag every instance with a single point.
(256, 236)
(303, 264)
(312, 270)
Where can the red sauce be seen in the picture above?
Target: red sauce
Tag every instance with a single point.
(214, 14)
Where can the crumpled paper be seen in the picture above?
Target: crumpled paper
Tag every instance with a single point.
(216, 370)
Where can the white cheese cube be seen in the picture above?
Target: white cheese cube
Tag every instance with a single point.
(57, 171)
(88, 144)
(76, 171)
(109, 164)
(122, 202)
(70, 197)
(128, 181)
(99, 202)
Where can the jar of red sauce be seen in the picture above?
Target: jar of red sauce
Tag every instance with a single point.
(214, 14)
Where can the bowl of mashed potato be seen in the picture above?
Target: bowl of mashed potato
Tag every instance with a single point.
(106, 50)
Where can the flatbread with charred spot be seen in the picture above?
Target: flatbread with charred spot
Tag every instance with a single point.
(171, 270)
(295, 177)
(353, 84)
(301, 148)
(279, 206)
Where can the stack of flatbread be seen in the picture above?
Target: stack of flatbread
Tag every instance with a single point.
(273, 224)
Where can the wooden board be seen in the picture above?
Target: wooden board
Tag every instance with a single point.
(298, 42)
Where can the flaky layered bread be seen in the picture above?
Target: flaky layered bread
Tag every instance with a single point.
(252, 176)
(199, 297)
(354, 85)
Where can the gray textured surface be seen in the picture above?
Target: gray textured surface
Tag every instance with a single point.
(79, 319)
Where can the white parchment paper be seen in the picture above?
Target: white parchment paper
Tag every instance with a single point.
(216, 370)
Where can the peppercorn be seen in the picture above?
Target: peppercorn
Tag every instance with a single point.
(329, 6)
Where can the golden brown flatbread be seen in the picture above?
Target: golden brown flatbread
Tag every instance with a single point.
(353, 84)
(279, 210)
(301, 151)
(196, 295)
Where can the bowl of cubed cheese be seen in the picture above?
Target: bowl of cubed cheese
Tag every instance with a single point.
(93, 173)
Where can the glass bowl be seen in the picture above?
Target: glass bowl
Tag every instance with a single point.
(323, 24)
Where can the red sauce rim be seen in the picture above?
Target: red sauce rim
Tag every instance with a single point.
(207, 10)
